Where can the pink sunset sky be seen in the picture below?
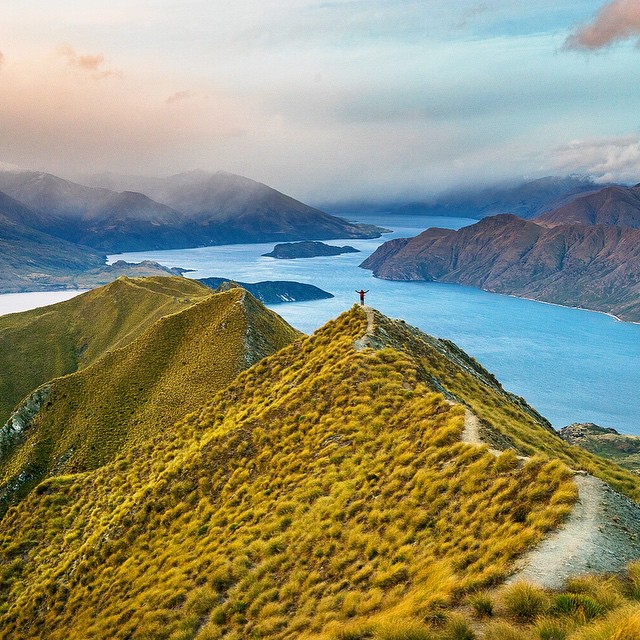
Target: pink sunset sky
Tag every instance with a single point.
(324, 100)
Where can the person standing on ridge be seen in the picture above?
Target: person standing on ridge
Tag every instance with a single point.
(362, 292)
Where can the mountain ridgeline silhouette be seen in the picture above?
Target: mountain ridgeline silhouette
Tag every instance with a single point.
(187, 210)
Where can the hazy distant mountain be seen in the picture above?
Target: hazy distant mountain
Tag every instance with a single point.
(610, 206)
(226, 208)
(524, 199)
(595, 267)
(29, 257)
(99, 218)
(32, 260)
(20, 213)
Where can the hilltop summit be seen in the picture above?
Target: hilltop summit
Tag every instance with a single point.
(332, 485)
(131, 393)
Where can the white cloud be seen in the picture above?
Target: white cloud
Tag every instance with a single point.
(607, 160)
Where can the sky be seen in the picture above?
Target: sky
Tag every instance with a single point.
(325, 100)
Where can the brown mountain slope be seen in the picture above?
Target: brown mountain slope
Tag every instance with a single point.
(618, 206)
(594, 267)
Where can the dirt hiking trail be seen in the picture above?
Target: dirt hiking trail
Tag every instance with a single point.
(601, 534)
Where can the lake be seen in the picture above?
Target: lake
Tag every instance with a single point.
(15, 302)
(571, 365)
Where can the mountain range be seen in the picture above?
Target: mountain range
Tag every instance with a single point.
(593, 267)
(611, 206)
(368, 481)
(526, 199)
(54, 233)
(194, 209)
(583, 254)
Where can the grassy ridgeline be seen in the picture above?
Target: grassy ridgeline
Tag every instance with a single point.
(324, 487)
(135, 392)
(42, 344)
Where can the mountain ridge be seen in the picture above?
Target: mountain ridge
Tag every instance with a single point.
(595, 267)
(132, 393)
(48, 342)
(611, 206)
(323, 492)
(194, 209)
(526, 199)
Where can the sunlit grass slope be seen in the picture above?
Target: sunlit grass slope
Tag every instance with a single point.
(508, 422)
(133, 393)
(38, 345)
(324, 486)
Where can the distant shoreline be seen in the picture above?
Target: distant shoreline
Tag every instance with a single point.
(567, 306)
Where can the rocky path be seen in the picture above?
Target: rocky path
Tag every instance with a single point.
(471, 431)
(601, 535)
(363, 342)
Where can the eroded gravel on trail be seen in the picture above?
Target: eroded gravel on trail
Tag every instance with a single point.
(601, 535)
(366, 339)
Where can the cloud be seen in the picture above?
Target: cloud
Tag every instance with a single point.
(606, 159)
(178, 96)
(92, 64)
(616, 21)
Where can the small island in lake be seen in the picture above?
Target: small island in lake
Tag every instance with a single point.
(273, 291)
(307, 249)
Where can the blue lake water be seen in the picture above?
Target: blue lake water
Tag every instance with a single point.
(572, 365)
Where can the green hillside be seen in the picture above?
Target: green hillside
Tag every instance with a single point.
(82, 420)
(44, 343)
(325, 493)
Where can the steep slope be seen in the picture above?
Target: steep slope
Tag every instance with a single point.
(96, 217)
(129, 222)
(44, 343)
(617, 206)
(227, 208)
(19, 213)
(326, 484)
(29, 258)
(594, 267)
(198, 209)
(129, 395)
(56, 197)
